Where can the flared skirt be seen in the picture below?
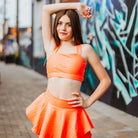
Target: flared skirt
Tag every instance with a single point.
(53, 117)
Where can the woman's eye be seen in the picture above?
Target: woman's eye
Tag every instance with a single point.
(68, 24)
(59, 23)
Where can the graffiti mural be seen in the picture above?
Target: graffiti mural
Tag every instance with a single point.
(114, 27)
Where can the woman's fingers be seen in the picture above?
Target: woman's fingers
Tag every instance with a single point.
(87, 16)
(76, 101)
(76, 93)
(72, 99)
(85, 11)
(88, 13)
(77, 105)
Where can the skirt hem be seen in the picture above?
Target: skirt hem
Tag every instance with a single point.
(52, 117)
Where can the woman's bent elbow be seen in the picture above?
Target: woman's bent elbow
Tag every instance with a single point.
(108, 81)
(45, 8)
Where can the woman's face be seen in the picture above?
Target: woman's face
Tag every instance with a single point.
(64, 28)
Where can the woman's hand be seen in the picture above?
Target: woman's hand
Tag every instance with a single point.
(78, 101)
(84, 11)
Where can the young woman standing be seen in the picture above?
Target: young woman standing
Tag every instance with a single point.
(60, 111)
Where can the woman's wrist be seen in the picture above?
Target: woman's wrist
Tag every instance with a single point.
(86, 103)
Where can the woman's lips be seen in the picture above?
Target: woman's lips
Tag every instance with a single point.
(63, 33)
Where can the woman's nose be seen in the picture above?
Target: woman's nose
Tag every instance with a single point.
(63, 27)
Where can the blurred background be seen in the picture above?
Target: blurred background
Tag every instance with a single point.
(112, 32)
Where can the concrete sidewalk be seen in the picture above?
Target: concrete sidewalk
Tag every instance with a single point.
(20, 86)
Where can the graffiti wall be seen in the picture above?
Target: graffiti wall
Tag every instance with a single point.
(114, 28)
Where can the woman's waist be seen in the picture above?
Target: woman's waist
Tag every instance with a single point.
(63, 89)
(64, 83)
(62, 93)
(56, 101)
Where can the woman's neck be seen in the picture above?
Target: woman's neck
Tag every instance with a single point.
(66, 43)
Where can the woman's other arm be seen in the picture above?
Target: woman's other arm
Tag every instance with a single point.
(101, 73)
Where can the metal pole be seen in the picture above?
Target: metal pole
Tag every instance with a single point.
(32, 46)
(17, 23)
(17, 30)
(4, 30)
(4, 19)
(4, 10)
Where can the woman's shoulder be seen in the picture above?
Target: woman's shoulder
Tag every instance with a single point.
(86, 47)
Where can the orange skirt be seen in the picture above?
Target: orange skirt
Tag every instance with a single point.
(55, 118)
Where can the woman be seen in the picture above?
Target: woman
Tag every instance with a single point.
(59, 112)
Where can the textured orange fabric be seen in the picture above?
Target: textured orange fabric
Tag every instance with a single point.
(70, 66)
(55, 118)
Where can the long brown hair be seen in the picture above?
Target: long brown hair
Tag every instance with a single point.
(75, 24)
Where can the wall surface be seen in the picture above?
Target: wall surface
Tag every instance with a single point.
(114, 26)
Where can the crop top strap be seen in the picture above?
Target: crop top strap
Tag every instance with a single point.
(79, 49)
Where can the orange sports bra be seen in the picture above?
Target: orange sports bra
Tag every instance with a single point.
(71, 66)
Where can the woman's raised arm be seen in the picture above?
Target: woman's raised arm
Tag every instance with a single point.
(50, 9)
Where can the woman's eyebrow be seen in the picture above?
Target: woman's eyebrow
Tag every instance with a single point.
(64, 22)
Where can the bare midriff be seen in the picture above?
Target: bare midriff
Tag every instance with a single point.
(63, 87)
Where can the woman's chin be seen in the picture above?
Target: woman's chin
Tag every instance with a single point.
(64, 39)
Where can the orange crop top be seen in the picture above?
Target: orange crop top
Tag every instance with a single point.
(71, 66)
